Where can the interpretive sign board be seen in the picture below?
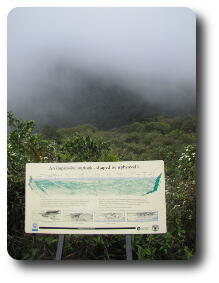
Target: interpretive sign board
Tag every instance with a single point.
(95, 198)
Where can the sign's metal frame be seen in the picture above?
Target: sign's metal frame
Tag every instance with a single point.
(128, 245)
(128, 240)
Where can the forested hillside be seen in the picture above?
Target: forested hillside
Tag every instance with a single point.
(172, 139)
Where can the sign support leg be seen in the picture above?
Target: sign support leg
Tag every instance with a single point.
(60, 247)
(128, 241)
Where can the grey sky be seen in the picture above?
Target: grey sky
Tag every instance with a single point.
(141, 48)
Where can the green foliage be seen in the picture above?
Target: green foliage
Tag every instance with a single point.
(96, 247)
(50, 133)
(25, 146)
(85, 129)
(82, 148)
(170, 139)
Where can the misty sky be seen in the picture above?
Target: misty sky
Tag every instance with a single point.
(149, 51)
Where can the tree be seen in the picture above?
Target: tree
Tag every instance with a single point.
(24, 146)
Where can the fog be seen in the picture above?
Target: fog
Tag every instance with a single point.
(105, 66)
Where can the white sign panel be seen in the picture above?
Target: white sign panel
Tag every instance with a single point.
(95, 198)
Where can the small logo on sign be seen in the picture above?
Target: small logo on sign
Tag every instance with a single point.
(155, 228)
(34, 227)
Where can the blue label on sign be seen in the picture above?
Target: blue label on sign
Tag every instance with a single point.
(34, 227)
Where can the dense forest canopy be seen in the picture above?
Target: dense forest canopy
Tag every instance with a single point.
(172, 139)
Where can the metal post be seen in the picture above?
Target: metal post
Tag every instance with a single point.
(128, 240)
(60, 247)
